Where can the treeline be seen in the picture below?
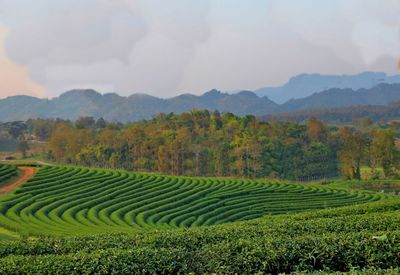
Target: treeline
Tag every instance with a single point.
(201, 143)
(12, 136)
(343, 115)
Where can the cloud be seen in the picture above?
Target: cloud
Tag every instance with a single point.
(125, 46)
(49, 35)
(169, 47)
(175, 31)
(14, 79)
(73, 32)
(267, 42)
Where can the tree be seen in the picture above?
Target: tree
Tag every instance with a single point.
(23, 147)
(86, 122)
(163, 160)
(100, 123)
(354, 146)
(316, 130)
(383, 151)
(16, 128)
(247, 153)
(202, 144)
(41, 128)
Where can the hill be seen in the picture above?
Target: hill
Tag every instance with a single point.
(307, 84)
(77, 103)
(381, 94)
(374, 113)
(74, 201)
(113, 107)
(182, 225)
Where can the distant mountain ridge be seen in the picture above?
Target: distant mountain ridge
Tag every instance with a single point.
(76, 103)
(113, 107)
(304, 85)
(342, 115)
(381, 94)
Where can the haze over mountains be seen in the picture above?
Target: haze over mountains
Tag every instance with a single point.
(76, 103)
(305, 85)
(340, 115)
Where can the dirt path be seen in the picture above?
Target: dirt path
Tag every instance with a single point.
(26, 174)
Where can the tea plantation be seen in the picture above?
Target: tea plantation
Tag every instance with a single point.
(7, 172)
(93, 221)
(71, 200)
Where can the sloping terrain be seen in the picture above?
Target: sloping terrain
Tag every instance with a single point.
(305, 85)
(26, 174)
(112, 107)
(66, 200)
(361, 239)
(6, 173)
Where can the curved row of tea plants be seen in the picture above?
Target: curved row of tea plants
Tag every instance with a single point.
(7, 172)
(73, 200)
(363, 238)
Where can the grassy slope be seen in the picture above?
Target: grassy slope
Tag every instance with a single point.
(363, 237)
(343, 239)
(6, 235)
(71, 200)
(8, 173)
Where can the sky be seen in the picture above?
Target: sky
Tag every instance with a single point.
(165, 48)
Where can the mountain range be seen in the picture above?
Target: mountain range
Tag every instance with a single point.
(76, 103)
(113, 107)
(342, 115)
(305, 85)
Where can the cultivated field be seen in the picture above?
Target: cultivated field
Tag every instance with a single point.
(71, 200)
(6, 173)
(86, 221)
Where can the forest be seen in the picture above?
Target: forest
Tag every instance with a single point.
(343, 115)
(200, 143)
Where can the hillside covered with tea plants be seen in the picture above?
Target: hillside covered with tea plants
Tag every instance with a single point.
(72, 200)
(84, 220)
(363, 238)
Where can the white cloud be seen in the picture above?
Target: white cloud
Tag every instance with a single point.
(168, 47)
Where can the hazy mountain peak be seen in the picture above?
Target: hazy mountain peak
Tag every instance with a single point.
(89, 93)
(247, 94)
(16, 97)
(113, 107)
(213, 94)
(304, 85)
(140, 95)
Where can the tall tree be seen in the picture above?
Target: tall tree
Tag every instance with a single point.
(354, 146)
(23, 147)
(316, 130)
(383, 150)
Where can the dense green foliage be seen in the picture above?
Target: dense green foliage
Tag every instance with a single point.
(111, 221)
(7, 172)
(68, 200)
(358, 237)
(9, 133)
(202, 144)
(344, 115)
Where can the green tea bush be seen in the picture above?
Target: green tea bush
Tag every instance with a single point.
(304, 242)
(73, 200)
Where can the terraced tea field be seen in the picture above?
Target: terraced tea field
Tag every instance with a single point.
(71, 200)
(7, 172)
